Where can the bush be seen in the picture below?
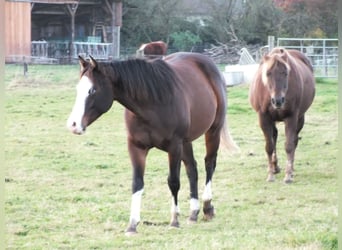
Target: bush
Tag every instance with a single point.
(184, 40)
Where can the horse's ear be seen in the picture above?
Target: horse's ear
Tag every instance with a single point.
(83, 63)
(283, 55)
(265, 58)
(93, 62)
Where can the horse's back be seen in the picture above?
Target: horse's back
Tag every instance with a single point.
(302, 74)
(183, 61)
(199, 75)
(300, 56)
(203, 87)
(155, 48)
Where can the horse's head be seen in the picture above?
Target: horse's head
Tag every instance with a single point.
(275, 73)
(94, 96)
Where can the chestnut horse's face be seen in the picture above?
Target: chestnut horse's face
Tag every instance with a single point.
(93, 97)
(275, 73)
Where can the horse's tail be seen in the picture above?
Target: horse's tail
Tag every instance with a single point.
(227, 141)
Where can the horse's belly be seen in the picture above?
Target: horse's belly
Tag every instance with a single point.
(203, 114)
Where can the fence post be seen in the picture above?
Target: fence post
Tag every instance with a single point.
(270, 43)
(25, 66)
(325, 59)
(116, 23)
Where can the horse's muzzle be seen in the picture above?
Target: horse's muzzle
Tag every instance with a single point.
(278, 102)
(76, 129)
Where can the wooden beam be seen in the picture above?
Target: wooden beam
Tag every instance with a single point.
(80, 2)
(46, 1)
(72, 8)
(109, 6)
(48, 12)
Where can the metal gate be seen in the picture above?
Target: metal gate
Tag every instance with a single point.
(323, 53)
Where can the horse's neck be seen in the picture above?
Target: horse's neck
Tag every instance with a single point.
(129, 103)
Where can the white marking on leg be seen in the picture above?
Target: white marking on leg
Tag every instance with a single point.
(207, 194)
(74, 122)
(174, 208)
(135, 207)
(194, 204)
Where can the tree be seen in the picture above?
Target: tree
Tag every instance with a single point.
(184, 41)
(224, 21)
(146, 21)
(308, 18)
(258, 20)
(220, 22)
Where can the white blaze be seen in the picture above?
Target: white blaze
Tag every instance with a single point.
(264, 77)
(74, 122)
(142, 47)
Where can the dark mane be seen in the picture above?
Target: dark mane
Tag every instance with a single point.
(146, 81)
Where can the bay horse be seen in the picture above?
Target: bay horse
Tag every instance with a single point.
(152, 50)
(166, 107)
(283, 90)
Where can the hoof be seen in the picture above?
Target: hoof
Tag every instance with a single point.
(208, 210)
(288, 178)
(270, 178)
(193, 217)
(174, 224)
(131, 231)
(209, 216)
(174, 220)
(277, 170)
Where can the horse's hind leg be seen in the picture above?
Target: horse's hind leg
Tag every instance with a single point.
(191, 170)
(212, 141)
(175, 155)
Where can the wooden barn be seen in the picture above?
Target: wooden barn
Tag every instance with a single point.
(59, 30)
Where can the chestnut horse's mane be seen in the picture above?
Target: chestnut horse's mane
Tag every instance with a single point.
(273, 60)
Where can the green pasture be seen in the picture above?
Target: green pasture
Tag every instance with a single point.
(73, 192)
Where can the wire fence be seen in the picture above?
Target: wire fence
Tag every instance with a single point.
(323, 53)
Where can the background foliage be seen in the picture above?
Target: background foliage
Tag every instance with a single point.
(212, 22)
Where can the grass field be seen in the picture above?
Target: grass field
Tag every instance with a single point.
(73, 192)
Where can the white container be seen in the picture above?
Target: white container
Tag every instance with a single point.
(239, 74)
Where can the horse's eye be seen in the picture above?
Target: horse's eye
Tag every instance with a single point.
(91, 91)
(268, 73)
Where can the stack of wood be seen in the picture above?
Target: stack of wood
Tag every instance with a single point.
(229, 53)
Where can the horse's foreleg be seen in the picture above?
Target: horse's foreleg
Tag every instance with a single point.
(292, 129)
(212, 141)
(174, 182)
(191, 170)
(138, 157)
(271, 135)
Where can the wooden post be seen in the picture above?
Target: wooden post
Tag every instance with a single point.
(116, 10)
(25, 66)
(117, 21)
(72, 8)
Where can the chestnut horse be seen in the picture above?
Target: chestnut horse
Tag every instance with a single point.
(166, 108)
(283, 90)
(153, 49)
